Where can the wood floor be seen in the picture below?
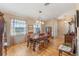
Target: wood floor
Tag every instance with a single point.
(22, 50)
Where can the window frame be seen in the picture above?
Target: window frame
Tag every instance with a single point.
(15, 23)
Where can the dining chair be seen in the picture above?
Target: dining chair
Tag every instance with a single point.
(68, 45)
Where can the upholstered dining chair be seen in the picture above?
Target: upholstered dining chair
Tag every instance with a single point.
(68, 45)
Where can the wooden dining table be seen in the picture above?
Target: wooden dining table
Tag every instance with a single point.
(37, 40)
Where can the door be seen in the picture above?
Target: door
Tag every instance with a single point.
(48, 29)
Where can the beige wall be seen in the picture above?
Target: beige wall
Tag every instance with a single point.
(63, 23)
(52, 23)
(61, 26)
(77, 6)
(19, 38)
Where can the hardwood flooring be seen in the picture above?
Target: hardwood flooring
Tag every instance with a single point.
(22, 50)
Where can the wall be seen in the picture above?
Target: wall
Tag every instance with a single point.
(54, 24)
(63, 20)
(58, 27)
(61, 29)
(63, 26)
(18, 38)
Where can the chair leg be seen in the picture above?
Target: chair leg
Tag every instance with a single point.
(34, 46)
(27, 44)
(60, 53)
(5, 47)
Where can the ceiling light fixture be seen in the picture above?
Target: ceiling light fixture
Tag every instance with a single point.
(39, 21)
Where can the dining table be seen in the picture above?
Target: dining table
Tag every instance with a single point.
(37, 39)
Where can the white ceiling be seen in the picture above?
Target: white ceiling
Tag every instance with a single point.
(52, 10)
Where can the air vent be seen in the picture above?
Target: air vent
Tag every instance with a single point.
(46, 4)
(40, 11)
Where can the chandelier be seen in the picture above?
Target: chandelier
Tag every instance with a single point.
(40, 18)
(39, 22)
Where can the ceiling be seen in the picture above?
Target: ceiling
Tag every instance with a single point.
(51, 10)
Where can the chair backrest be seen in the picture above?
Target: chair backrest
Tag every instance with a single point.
(69, 38)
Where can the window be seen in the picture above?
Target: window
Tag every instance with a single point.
(18, 27)
(37, 28)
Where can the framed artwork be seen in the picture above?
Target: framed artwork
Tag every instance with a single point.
(30, 28)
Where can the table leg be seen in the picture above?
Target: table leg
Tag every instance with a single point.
(60, 53)
(5, 47)
(34, 46)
